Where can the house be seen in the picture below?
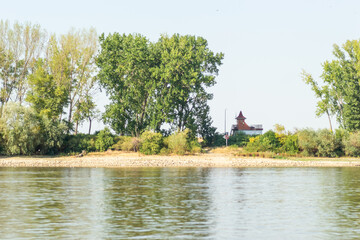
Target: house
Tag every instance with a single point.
(241, 126)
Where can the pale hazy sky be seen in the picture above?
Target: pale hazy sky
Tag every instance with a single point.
(266, 45)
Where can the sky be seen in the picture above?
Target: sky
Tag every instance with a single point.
(267, 45)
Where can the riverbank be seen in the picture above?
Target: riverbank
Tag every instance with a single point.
(120, 159)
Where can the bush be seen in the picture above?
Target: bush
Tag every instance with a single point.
(52, 135)
(79, 142)
(119, 142)
(307, 142)
(127, 143)
(164, 151)
(104, 140)
(240, 139)
(195, 147)
(217, 140)
(2, 139)
(290, 144)
(20, 130)
(352, 144)
(263, 143)
(151, 143)
(327, 144)
(178, 142)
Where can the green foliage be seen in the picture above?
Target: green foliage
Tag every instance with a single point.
(78, 143)
(217, 140)
(239, 139)
(290, 144)
(322, 143)
(52, 134)
(307, 142)
(327, 144)
(47, 96)
(340, 93)
(178, 142)
(2, 138)
(263, 143)
(104, 140)
(151, 84)
(20, 130)
(151, 143)
(126, 64)
(195, 147)
(118, 142)
(352, 144)
(187, 67)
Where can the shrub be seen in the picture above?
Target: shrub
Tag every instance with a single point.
(290, 144)
(217, 140)
(263, 143)
(151, 143)
(254, 144)
(352, 144)
(119, 143)
(79, 142)
(307, 142)
(104, 140)
(178, 142)
(327, 144)
(20, 130)
(195, 147)
(127, 143)
(52, 135)
(164, 151)
(240, 139)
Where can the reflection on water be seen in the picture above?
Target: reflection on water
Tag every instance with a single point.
(178, 203)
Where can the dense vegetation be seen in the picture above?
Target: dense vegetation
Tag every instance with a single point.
(158, 96)
(157, 90)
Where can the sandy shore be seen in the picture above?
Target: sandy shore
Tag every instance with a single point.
(115, 160)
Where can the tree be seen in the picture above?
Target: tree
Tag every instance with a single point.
(340, 93)
(20, 47)
(71, 60)
(152, 84)
(47, 96)
(187, 67)
(126, 67)
(85, 110)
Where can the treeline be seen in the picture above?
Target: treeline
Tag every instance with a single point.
(301, 143)
(48, 83)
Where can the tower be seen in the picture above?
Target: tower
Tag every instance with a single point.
(241, 124)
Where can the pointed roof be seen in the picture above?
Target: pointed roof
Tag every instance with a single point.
(241, 116)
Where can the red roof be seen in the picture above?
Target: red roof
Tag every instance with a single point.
(241, 116)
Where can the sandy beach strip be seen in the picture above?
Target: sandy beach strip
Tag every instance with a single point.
(203, 160)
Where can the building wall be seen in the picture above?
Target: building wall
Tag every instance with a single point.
(251, 132)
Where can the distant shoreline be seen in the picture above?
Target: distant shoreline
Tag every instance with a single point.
(133, 160)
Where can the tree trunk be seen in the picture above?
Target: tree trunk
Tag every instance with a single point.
(329, 121)
(70, 111)
(89, 126)
(76, 127)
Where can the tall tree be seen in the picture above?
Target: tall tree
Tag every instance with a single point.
(126, 64)
(71, 59)
(152, 84)
(20, 46)
(187, 67)
(340, 93)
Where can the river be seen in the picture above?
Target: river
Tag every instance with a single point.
(180, 203)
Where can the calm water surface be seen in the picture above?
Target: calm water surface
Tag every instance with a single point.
(180, 203)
